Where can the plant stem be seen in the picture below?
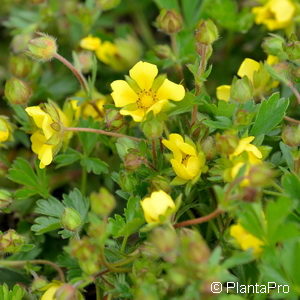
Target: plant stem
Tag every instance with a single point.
(21, 263)
(294, 90)
(291, 120)
(124, 242)
(100, 131)
(174, 47)
(83, 181)
(154, 154)
(272, 193)
(76, 72)
(200, 220)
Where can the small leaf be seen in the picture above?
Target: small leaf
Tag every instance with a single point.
(67, 158)
(270, 114)
(95, 165)
(45, 224)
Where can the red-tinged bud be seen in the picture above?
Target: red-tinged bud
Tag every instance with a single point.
(42, 48)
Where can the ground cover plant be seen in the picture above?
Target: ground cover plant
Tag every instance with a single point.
(149, 149)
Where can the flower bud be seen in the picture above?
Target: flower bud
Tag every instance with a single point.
(165, 240)
(260, 175)
(250, 194)
(291, 135)
(67, 292)
(226, 143)
(11, 242)
(42, 48)
(241, 90)
(208, 146)
(103, 202)
(20, 42)
(243, 117)
(152, 129)
(17, 91)
(169, 21)
(5, 129)
(20, 65)
(71, 219)
(163, 51)
(85, 59)
(206, 32)
(5, 199)
(38, 283)
(274, 45)
(195, 248)
(293, 50)
(161, 183)
(133, 161)
(108, 4)
(113, 119)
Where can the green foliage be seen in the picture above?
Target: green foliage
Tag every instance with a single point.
(16, 293)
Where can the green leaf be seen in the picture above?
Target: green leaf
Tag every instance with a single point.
(167, 4)
(67, 158)
(50, 207)
(95, 165)
(88, 140)
(220, 123)
(76, 201)
(238, 259)
(291, 185)
(191, 11)
(45, 224)
(22, 173)
(270, 114)
(16, 293)
(287, 155)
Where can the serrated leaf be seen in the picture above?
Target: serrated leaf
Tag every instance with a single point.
(45, 224)
(291, 185)
(88, 140)
(95, 165)
(270, 114)
(117, 223)
(220, 123)
(287, 155)
(67, 158)
(76, 201)
(51, 207)
(22, 173)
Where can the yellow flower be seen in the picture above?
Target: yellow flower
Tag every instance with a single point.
(186, 162)
(90, 43)
(142, 93)
(275, 14)
(223, 92)
(244, 146)
(106, 52)
(47, 140)
(158, 205)
(245, 239)
(5, 129)
(248, 68)
(50, 292)
(88, 108)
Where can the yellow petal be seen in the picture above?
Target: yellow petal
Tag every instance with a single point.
(4, 135)
(248, 67)
(193, 166)
(106, 51)
(144, 74)
(254, 150)
(187, 148)
(46, 127)
(223, 92)
(45, 154)
(122, 93)
(171, 91)
(137, 115)
(37, 141)
(241, 147)
(157, 107)
(282, 9)
(50, 293)
(180, 169)
(90, 43)
(37, 114)
(272, 60)
(156, 205)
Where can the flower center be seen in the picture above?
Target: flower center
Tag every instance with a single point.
(185, 158)
(146, 99)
